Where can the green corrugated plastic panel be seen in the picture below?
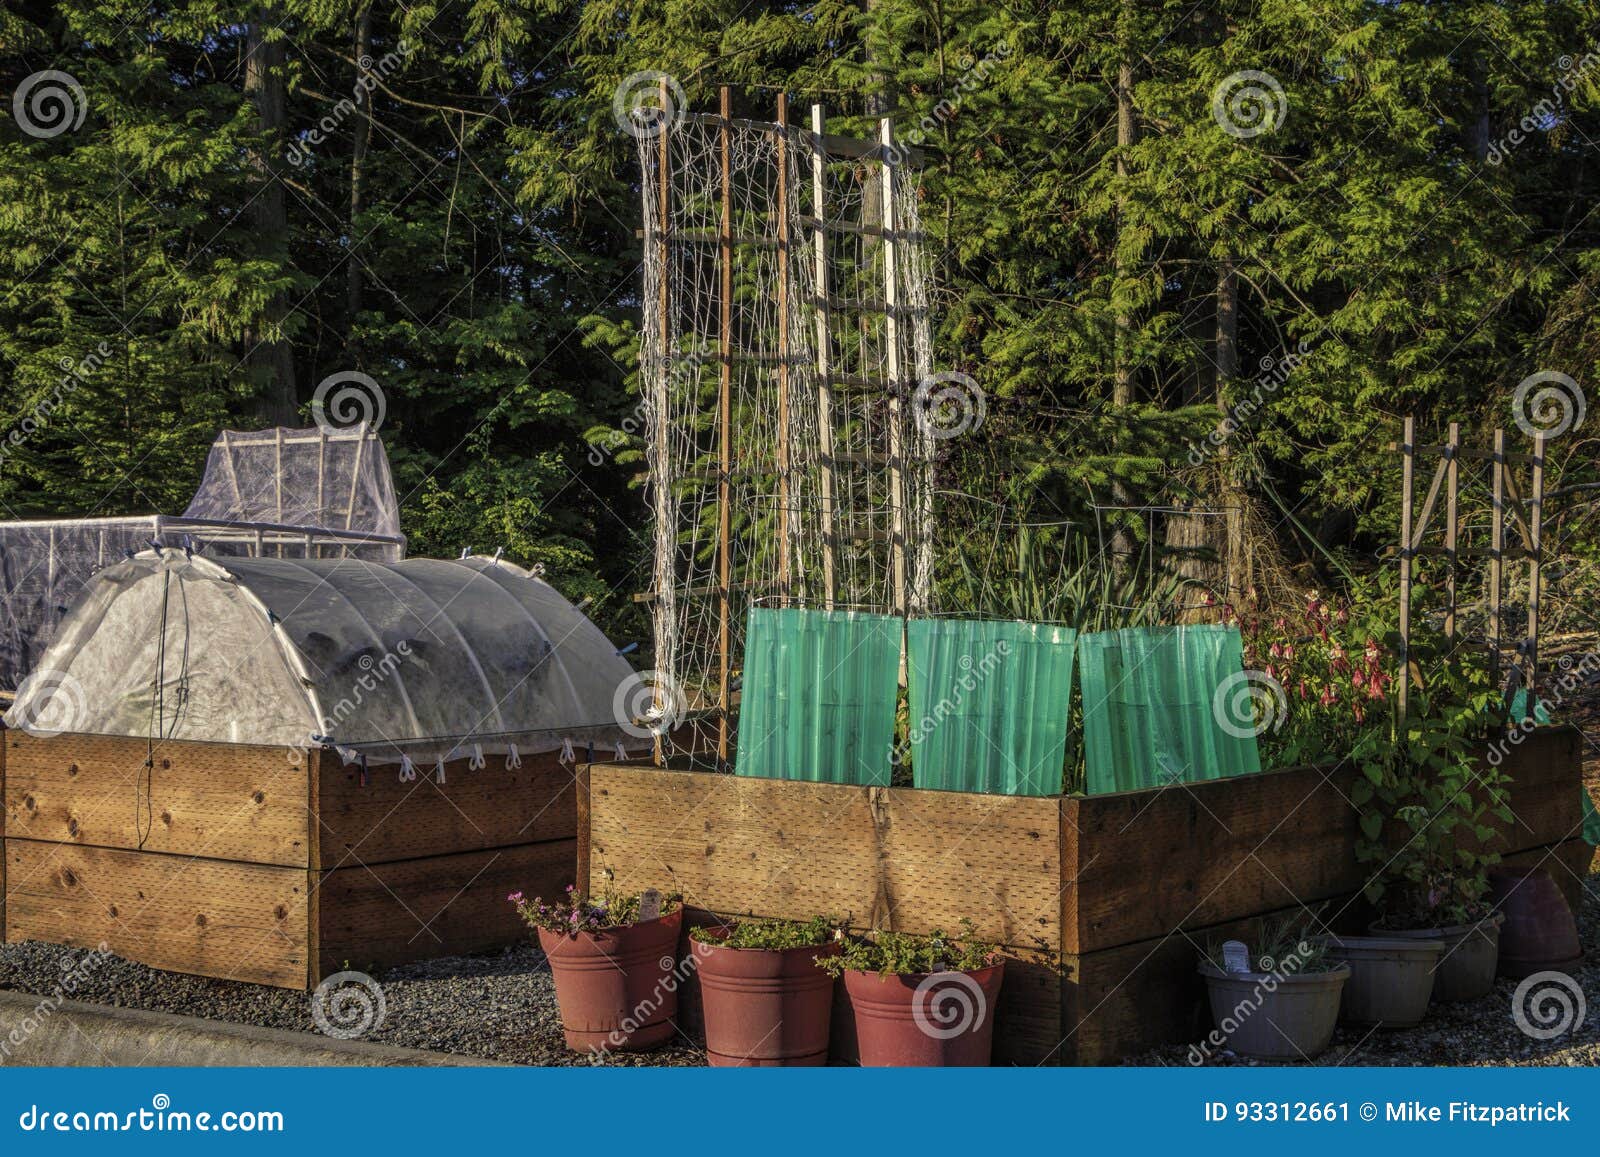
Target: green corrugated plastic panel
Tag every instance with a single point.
(989, 705)
(1152, 710)
(1591, 819)
(818, 698)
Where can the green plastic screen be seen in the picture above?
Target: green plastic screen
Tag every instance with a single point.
(1156, 709)
(818, 699)
(989, 705)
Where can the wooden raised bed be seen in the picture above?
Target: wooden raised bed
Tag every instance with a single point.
(270, 864)
(1105, 901)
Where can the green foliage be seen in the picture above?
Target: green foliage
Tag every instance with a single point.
(1290, 943)
(773, 935)
(903, 954)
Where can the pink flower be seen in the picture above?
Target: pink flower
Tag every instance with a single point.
(1329, 696)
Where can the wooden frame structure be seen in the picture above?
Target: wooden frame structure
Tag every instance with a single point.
(797, 235)
(1509, 509)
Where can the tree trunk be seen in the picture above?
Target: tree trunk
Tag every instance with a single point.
(358, 162)
(1121, 355)
(272, 355)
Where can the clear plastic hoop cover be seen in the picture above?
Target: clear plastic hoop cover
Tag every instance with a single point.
(990, 703)
(818, 701)
(424, 658)
(1150, 717)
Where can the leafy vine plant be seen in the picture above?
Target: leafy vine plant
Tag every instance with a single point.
(1430, 805)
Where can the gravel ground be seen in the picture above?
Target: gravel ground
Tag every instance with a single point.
(500, 1007)
(1475, 1033)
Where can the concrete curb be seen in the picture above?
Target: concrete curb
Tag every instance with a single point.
(43, 1031)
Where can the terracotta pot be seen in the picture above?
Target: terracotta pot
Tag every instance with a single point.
(617, 988)
(1391, 978)
(764, 1007)
(1539, 934)
(926, 1019)
(1471, 951)
(1274, 1017)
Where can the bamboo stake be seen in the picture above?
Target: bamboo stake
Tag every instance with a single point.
(825, 433)
(1407, 468)
(1535, 548)
(725, 433)
(891, 342)
(1497, 550)
(665, 534)
(785, 558)
(1452, 527)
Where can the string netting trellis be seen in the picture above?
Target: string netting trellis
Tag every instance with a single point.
(785, 332)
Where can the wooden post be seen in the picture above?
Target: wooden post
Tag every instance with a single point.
(666, 535)
(785, 516)
(1535, 547)
(725, 432)
(897, 407)
(1452, 450)
(1497, 548)
(1408, 451)
(825, 434)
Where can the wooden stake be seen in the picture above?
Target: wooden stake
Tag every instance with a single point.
(825, 432)
(1497, 552)
(725, 434)
(785, 555)
(1407, 469)
(891, 343)
(1452, 527)
(666, 535)
(1535, 551)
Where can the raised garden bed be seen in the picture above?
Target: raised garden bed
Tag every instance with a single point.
(271, 865)
(1104, 900)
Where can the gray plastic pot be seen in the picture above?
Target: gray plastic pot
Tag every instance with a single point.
(1471, 953)
(1273, 1017)
(1391, 978)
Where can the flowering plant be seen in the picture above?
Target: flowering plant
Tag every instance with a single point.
(1334, 670)
(903, 954)
(772, 935)
(576, 913)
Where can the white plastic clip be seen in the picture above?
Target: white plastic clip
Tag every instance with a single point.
(408, 770)
(513, 756)
(476, 760)
(438, 770)
(567, 754)
(622, 752)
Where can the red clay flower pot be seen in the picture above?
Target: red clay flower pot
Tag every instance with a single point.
(764, 1007)
(927, 1019)
(617, 988)
(1539, 933)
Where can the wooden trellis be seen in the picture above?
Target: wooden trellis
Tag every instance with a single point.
(1512, 509)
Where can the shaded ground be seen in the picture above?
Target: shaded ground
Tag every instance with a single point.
(501, 1007)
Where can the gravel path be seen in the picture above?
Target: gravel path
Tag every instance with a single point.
(500, 1007)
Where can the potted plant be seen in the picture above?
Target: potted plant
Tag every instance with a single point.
(1429, 808)
(921, 1000)
(1283, 1006)
(765, 999)
(616, 974)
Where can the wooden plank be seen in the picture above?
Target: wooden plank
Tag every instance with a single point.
(898, 858)
(492, 807)
(388, 914)
(219, 800)
(1149, 862)
(243, 922)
